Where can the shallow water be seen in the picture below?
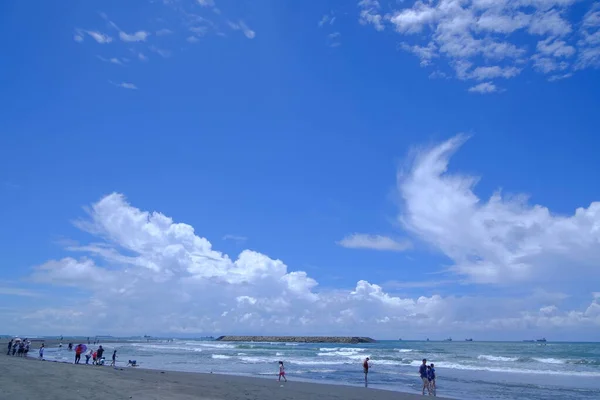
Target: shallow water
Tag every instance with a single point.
(465, 370)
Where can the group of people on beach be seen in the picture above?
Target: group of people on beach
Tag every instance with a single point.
(426, 373)
(18, 348)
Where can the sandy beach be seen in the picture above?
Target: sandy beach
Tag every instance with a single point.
(30, 379)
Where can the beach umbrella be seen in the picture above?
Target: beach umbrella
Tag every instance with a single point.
(82, 348)
(16, 339)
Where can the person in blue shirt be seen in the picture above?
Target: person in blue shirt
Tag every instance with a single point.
(431, 378)
(423, 375)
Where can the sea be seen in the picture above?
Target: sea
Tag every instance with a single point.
(465, 370)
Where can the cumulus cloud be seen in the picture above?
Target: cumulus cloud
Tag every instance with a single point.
(483, 88)
(374, 242)
(145, 272)
(499, 240)
(483, 33)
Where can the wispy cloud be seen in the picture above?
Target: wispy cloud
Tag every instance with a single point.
(484, 88)
(125, 85)
(235, 238)
(98, 37)
(112, 60)
(374, 242)
(78, 36)
(327, 19)
(139, 36)
(250, 34)
(160, 52)
(192, 39)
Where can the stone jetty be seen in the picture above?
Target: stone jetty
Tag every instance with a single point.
(298, 339)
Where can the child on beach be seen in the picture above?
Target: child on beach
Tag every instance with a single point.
(42, 351)
(94, 358)
(114, 359)
(282, 371)
(431, 379)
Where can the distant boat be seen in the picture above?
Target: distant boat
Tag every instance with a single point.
(541, 340)
(528, 341)
(448, 340)
(428, 339)
(399, 339)
(468, 340)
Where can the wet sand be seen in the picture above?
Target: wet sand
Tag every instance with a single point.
(31, 379)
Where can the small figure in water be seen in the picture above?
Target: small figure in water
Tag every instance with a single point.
(431, 379)
(114, 359)
(366, 370)
(42, 351)
(282, 372)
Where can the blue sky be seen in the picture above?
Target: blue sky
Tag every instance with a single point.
(311, 133)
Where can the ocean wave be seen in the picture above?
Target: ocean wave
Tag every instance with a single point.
(153, 347)
(496, 358)
(549, 360)
(278, 354)
(220, 356)
(339, 354)
(443, 365)
(404, 350)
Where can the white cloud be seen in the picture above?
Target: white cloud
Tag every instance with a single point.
(142, 57)
(139, 36)
(483, 73)
(192, 39)
(374, 242)
(145, 272)
(589, 44)
(483, 88)
(501, 240)
(99, 37)
(161, 52)
(206, 3)
(249, 33)
(125, 85)
(475, 32)
(78, 36)
(369, 14)
(112, 60)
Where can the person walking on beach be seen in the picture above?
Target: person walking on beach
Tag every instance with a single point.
(26, 350)
(423, 374)
(9, 347)
(366, 370)
(431, 379)
(41, 352)
(99, 353)
(15, 345)
(77, 354)
(114, 359)
(282, 372)
(94, 357)
(88, 356)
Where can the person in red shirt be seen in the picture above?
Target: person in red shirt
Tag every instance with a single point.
(78, 354)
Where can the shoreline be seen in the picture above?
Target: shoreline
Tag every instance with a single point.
(144, 383)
